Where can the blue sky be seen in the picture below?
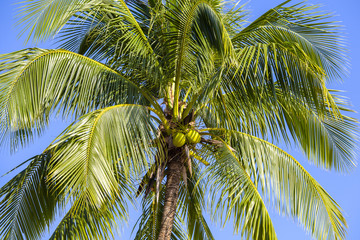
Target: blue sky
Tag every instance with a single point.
(345, 189)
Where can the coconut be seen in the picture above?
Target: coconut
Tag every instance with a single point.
(179, 139)
(193, 137)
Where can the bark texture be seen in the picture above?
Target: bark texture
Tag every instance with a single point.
(174, 168)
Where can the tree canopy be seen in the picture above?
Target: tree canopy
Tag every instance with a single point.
(174, 101)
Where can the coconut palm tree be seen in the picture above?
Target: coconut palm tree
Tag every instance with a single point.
(174, 101)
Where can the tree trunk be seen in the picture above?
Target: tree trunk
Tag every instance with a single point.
(174, 168)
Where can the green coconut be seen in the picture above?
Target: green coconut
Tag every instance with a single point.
(193, 137)
(179, 139)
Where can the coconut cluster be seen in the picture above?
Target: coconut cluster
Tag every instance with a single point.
(191, 137)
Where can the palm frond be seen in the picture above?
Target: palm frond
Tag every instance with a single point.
(328, 140)
(94, 161)
(112, 26)
(298, 47)
(87, 35)
(35, 82)
(188, 19)
(234, 196)
(291, 188)
(86, 220)
(89, 152)
(44, 19)
(303, 27)
(27, 203)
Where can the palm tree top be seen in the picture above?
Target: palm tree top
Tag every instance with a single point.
(172, 101)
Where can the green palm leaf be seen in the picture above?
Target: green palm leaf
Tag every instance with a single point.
(186, 22)
(27, 205)
(300, 29)
(35, 82)
(93, 149)
(237, 197)
(44, 19)
(93, 163)
(293, 46)
(292, 189)
(86, 219)
(330, 142)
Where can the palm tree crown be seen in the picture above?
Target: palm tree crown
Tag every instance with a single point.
(174, 100)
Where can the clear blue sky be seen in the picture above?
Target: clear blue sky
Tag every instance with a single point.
(345, 189)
